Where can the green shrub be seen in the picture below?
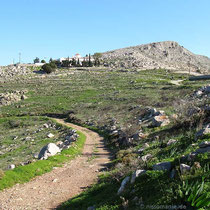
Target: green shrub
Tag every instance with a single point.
(14, 123)
(49, 67)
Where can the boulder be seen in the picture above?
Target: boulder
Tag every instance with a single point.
(184, 168)
(49, 150)
(204, 144)
(123, 185)
(136, 174)
(162, 166)
(202, 150)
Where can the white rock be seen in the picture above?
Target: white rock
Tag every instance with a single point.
(184, 168)
(46, 125)
(50, 135)
(171, 141)
(48, 150)
(136, 174)
(12, 166)
(123, 185)
(146, 157)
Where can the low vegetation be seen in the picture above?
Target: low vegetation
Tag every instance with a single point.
(25, 173)
(112, 103)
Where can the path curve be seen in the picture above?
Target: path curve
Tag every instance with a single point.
(51, 189)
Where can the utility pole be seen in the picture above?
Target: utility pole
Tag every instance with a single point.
(19, 58)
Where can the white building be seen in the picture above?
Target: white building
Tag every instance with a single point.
(76, 57)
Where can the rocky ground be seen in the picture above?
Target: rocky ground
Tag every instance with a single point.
(167, 55)
(150, 122)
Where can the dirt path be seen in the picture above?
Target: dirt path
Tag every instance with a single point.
(57, 186)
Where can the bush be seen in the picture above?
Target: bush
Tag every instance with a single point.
(14, 123)
(49, 68)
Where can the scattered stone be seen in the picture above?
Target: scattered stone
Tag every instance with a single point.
(55, 180)
(114, 133)
(196, 165)
(171, 141)
(191, 156)
(136, 174)
(23, 97)
(12, 166)
(161, 120)
(46, 125)
(50, 135)
(123, 185)
(205, 130)
(146, 145)
(147, 157)
(162, 166)
(204, 144)
(48, 150)
(36, 155)
(202, 150)
(152, 117)
(184, 168)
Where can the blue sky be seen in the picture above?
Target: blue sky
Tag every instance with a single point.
(61, 28)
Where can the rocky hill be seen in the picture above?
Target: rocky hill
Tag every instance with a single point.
(168, 55)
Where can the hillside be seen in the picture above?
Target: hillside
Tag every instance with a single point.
(156, 124)
(168, 55)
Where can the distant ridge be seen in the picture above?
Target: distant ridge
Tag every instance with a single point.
(167, 54)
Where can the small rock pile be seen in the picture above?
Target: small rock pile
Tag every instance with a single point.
(12, 97)
(203, 92)
(52, 149)
(153, 118)
(11, 71)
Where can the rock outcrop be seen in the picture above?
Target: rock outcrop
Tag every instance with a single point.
(168, 55)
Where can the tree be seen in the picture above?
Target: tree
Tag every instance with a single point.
(84, 63)
(43, 61)
(51, 60)
(90, 64)
(66, 63)
(73, 62)
(78, 63)
(49, 67)
(36, 60)
(97, 58)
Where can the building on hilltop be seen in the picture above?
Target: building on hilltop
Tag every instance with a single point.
(77, 57)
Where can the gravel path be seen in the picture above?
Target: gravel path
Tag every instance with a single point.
(51, 189)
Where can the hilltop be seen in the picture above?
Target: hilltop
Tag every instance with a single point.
(167, 54)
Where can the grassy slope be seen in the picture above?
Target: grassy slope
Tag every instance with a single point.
(99, 95)
(23, 174)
